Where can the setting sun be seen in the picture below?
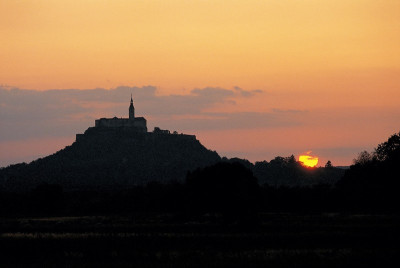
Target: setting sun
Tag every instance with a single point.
(308, 160)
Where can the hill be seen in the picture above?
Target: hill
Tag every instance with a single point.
(110, 158)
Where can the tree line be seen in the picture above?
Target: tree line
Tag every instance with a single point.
(231, 191)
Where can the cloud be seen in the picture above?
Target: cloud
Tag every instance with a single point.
(238, 120)
(247, 93)
(59, 113)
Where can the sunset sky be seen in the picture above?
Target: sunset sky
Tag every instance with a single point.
(253, 79)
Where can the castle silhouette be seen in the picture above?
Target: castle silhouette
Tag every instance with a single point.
(138, 123)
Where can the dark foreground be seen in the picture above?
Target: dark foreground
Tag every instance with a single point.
(279, 240)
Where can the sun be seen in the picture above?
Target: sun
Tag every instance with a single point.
(308, 160)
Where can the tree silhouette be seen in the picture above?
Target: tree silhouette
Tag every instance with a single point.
(328, 164)
(373, 181)
(389, 150)
(363, 158)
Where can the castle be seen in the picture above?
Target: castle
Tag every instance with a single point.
(127, 127)
(137, 123)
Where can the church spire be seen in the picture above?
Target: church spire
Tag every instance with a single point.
(131, 110)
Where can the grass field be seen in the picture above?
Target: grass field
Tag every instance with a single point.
(162, 240)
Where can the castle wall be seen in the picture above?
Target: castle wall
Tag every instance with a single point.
(112, 122)
(93, 133)
(139, 123)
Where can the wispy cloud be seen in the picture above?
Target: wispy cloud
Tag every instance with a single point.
(58, 113)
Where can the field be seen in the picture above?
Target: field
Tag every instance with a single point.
(163, 240)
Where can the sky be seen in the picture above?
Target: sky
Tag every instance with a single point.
(251, 79)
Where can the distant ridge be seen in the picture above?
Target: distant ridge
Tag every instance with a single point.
(343, 167)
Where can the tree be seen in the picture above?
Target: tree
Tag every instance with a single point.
(389, 150)
(363, 158)
(373, 181)
(328, 164)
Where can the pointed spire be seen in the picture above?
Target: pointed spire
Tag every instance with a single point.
(131, 110)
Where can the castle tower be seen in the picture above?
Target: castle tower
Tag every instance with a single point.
(131, 110)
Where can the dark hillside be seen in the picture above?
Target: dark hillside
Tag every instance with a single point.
(107, 158)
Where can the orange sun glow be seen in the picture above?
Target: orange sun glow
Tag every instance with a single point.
(308, 160)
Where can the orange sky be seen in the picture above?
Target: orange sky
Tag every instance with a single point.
(179, 45)
(328, 56)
